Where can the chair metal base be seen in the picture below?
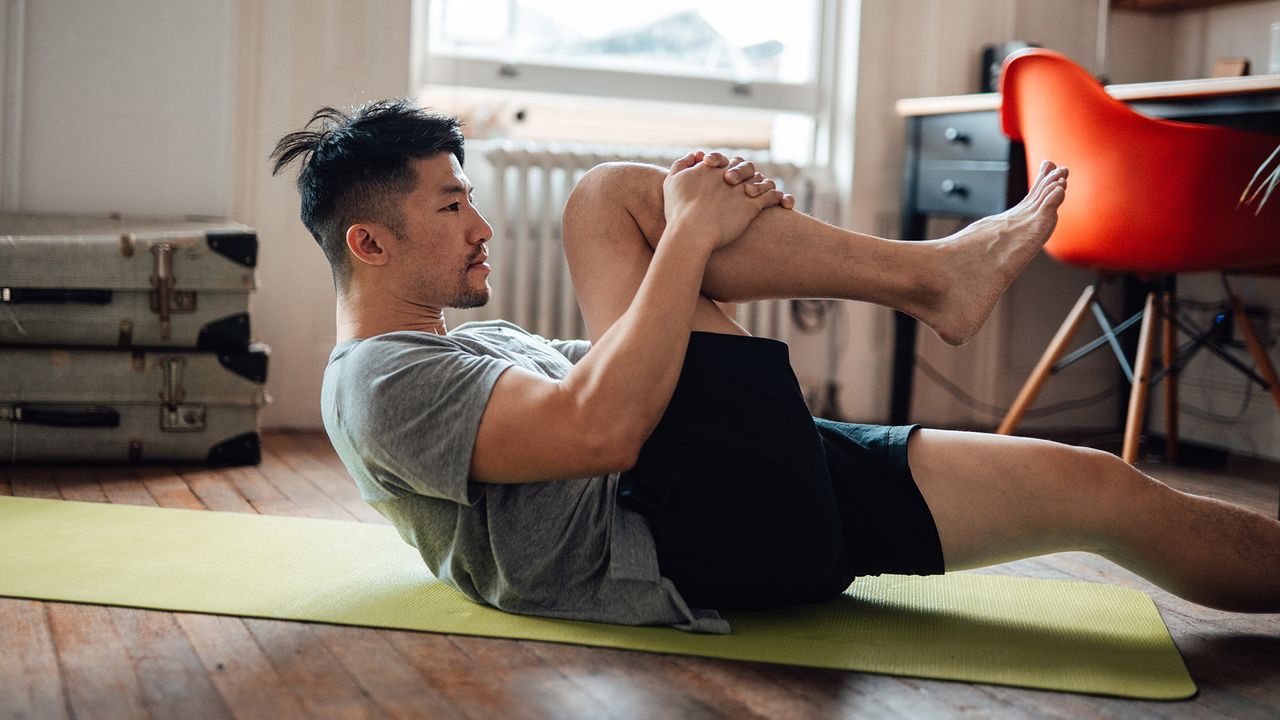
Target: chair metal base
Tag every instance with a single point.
(1159, 306)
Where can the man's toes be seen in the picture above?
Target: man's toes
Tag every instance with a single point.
(1046, 181)
(1052, 176)
(1056, 193)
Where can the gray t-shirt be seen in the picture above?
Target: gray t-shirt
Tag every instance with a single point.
(402, 409)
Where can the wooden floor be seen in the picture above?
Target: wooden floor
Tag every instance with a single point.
(83, 661)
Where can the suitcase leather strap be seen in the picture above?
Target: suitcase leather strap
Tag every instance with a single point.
(62, 415)
(54, 295)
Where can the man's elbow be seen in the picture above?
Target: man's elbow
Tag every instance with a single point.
(617, 451)
(628, 454)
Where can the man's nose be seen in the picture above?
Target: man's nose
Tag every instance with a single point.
(483, 230)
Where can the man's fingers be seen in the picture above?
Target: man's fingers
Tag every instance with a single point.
(740, 170)
(686, 162)
(759, 186)
(715, 159)
(770, 198)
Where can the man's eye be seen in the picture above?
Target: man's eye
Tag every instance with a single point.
(451, 207)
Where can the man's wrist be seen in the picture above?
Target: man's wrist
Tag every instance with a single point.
(691, 233)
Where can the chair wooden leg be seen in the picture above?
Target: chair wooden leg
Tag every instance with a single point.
(1255, 346)
(1141, 378)
(1051, 354)
(1168, 353)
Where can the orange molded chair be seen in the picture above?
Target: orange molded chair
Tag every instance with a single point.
(1148, 197)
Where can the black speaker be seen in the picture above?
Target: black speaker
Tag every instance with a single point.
(993, 59)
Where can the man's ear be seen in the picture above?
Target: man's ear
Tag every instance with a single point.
(369, 243)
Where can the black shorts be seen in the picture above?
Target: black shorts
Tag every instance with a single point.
(755, 504)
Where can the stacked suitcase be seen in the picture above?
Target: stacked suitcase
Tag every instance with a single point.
(128, 340)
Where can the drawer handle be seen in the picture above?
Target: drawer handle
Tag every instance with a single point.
(954, 136)
(951, 187)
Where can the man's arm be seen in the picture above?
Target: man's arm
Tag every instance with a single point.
(596, 419)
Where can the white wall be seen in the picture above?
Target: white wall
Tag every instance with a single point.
(1132, 38)
(1175, 46)
(125, 110)
(1204, 36)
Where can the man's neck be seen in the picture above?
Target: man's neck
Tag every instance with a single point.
(358, 319)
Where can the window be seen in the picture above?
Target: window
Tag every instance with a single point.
(739, 73)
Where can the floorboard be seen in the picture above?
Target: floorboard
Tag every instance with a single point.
(63, 660)
(303, 660)
(242, 673)
(215, 490)
(98, 674)
(172, 678)
(30, 678)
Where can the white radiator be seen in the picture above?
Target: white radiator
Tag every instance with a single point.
(524, 201)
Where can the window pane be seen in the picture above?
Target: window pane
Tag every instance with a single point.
(734, 39)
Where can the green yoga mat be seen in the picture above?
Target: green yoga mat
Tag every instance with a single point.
(1073, 636)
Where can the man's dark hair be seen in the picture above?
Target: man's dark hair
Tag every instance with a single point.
(356, 168)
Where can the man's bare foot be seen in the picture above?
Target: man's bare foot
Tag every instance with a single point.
(978, 263)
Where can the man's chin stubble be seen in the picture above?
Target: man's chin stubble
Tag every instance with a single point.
(471, 299)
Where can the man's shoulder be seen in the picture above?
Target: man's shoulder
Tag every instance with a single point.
(378, 384)
(472, 351)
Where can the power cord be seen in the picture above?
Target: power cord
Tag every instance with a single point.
(1000, 411)
(1220, 418)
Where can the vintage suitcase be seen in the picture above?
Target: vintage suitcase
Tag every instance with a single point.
(131, 406)
(125, 282)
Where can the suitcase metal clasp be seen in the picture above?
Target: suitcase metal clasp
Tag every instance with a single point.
(165, 300)
(175, 417)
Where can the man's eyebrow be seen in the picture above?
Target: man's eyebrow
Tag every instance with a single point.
(455, 188)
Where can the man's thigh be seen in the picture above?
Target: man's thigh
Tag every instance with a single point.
(611, 223)
(996, 498)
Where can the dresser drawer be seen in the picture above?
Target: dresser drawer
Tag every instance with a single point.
(962, 189)
(963, 136)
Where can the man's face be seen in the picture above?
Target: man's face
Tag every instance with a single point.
(444, 237)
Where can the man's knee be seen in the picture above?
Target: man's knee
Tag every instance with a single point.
(1109, 491)
(607, 187)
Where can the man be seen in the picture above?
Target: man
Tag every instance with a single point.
(668, 469)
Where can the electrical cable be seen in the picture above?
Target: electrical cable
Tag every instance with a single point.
(1220, 418)
(999, 411)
